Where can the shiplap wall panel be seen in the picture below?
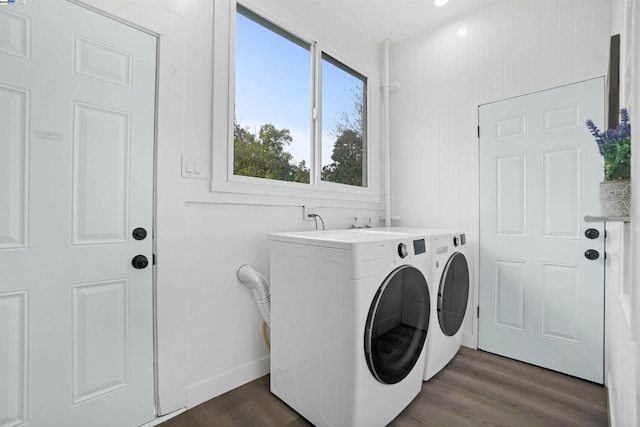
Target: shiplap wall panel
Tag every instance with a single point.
(496, 54)
(522, 38)
(581, 51)
(506, 49)
(550, 30)
(534, 63)
(566, 29)
(622, 353)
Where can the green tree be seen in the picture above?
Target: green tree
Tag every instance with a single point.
(265, 156)
(347, 166)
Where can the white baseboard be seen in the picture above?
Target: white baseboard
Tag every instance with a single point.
(469, 340)
(208, 389)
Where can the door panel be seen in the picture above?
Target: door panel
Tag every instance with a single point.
(100, 326)
(14, 118)
(100, 192)
(13, 358)
(560, 301)
(511, 197)
(510, 302)
(15, 40)
(541, 301)
(93, 59)
(561, 173)
(77, 99)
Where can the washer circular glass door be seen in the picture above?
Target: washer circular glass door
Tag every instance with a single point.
(453, 294)
(397, 325)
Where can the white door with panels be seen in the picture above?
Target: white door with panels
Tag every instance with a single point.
(541, 265)
(77, 100)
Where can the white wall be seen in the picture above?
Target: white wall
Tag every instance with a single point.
(621, 351)
(623, 245)
(634, 285)
(506, 49)
(209, 330)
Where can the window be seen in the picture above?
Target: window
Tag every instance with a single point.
(343, 124)
(299, 114)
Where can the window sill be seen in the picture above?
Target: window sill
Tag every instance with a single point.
(280, 189)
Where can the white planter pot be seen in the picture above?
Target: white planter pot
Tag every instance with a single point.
(615, 198)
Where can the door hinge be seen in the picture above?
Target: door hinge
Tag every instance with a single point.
(478, 312)
(478, 131)
(153, 259)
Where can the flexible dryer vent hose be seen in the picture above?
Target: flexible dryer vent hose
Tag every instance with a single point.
(260, 287)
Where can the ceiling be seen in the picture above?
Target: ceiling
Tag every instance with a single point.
(396, 19)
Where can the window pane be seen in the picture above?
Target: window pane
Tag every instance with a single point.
(272, 125)
(343, 124)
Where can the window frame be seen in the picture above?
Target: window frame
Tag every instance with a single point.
(223, 178)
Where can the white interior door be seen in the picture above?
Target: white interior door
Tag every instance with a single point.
(541, 300)
(77, 97)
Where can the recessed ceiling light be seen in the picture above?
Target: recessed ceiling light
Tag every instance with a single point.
(440, 2)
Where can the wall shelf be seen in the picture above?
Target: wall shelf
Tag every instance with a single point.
(601, 218)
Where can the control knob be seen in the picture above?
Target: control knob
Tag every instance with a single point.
(402, 250)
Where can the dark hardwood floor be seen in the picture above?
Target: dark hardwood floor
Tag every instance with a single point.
(475, 389)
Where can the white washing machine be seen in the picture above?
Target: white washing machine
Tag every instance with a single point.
(450, 280)
(350, 315)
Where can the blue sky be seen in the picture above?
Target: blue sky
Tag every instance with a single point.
(273, 86)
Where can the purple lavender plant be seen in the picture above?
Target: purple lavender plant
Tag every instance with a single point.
(615, 146)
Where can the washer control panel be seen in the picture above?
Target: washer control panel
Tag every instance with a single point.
(409, 250)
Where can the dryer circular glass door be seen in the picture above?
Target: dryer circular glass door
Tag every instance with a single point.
(453, 294)
(397, 325)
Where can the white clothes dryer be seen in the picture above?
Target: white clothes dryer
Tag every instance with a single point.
(449, 280)
(350, 316)
(450, 277)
